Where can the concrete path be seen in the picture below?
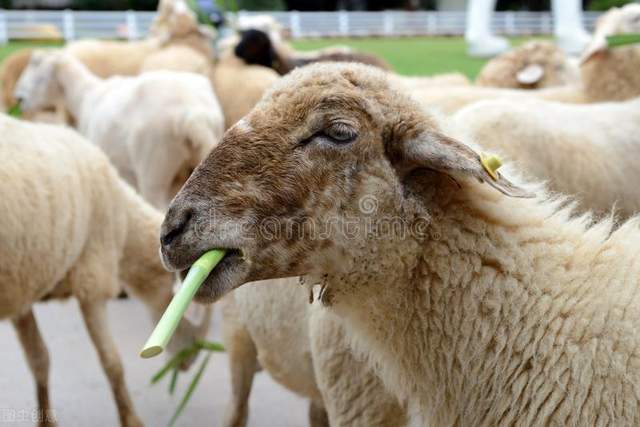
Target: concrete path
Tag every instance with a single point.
(79, 389)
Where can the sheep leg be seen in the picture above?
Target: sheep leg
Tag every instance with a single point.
(37, 356)
(243, 362)
(95, 319)
(318, 415)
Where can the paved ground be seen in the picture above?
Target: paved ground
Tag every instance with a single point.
(79, 390)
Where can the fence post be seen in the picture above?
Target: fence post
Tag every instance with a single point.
(68, 25)
(343, 23)
(432, 23)
(132, 25)
(509, 24)
(4, 28)
(294, 22)
(387, 23)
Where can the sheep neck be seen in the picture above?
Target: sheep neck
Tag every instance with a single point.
(140, 265)
(75, 81)
(470, 319)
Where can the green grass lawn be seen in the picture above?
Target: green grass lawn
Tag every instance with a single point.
(407, 55)
(413, 55)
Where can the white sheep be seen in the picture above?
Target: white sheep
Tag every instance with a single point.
(155, 127)
(72, 228)
(261, 319)
(533, 65)
(589, 151)
(175, 26)
(478, 306)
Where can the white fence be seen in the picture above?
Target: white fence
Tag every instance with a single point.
(69, 25)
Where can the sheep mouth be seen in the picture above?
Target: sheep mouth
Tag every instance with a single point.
(226, 276)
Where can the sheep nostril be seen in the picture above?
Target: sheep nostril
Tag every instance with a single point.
(178, 228)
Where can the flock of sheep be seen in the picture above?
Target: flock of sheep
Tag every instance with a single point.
(515, 305)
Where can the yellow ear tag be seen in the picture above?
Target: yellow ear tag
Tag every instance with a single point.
(491, 164)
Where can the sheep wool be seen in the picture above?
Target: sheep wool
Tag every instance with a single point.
(588, 151)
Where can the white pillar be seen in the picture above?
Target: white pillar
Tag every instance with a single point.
(568, 27)
(69, 29)
(132, 25)
(4, 28)
(480, 40)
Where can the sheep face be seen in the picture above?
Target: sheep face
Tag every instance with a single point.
(331, 145)
(37, 88)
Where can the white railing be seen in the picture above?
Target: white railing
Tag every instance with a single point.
(70, 25)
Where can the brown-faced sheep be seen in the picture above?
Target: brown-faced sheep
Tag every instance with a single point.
(481, 307)
(256, 47)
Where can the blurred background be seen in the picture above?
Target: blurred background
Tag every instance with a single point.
(302, 5)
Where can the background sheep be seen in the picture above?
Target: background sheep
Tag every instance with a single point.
(606, 74)
(590, 151)
(256, 47)
(261, 319)
(155, 127)
(72, 227)
(497, 310)
(175, 25)
(239, 86)
(613, 73)
(534, 65)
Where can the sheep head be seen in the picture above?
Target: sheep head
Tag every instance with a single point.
(38, 88)
(329, 145)
(175, 19)
(622, 20)
(534, 65)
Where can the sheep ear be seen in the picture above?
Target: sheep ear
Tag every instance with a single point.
(531, 74)
(597, 46)
(449, 156)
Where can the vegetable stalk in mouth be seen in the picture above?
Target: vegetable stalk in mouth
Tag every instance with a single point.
(178, 305)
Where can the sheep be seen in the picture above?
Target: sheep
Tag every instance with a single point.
(613, 73)
(480, 305)
(13, 65)
(534, 65)
(259, 320)
(10, 69)
(589, 151)
(72, 228)
(175, 26)
(450, 99)
(155, 127)
(178, 58)
(239, 86)
(606, 74)
(257, 47)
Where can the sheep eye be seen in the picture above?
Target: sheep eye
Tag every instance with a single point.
(340, 133)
